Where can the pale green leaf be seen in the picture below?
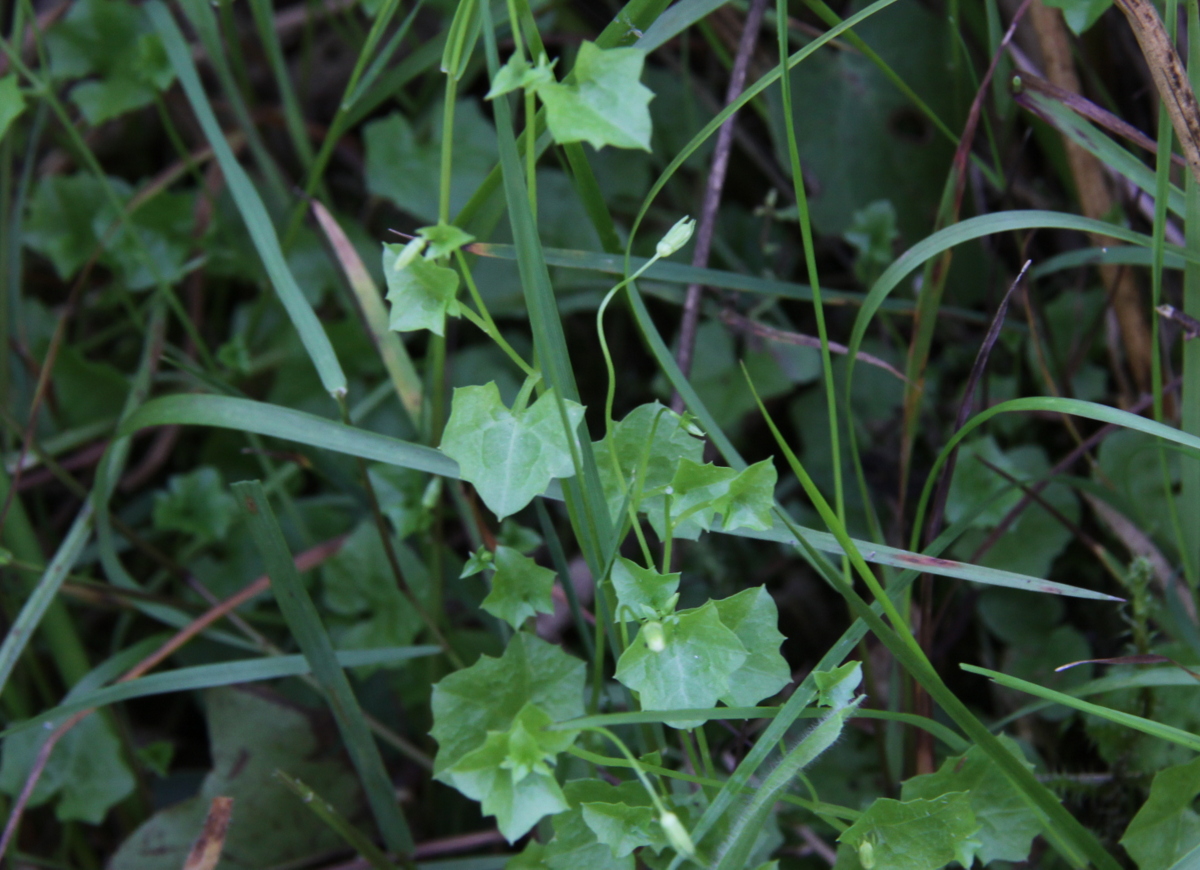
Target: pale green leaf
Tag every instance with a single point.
(576, 846)
(508, 457)
(753, 617)
(835, 688)
(444, 240)
(420, 294)
(692, 670)
(510, 774)
(1166, 828)
(643, 593)
(605, 104)
(917, 834)
(518, 73)
(1007, 823)
(651, 440)
(621, 816)
(489, 694)
(520, 588)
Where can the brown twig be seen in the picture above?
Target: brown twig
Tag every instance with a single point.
(712, 192)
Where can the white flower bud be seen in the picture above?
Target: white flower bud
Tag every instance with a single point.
(677, 834)
(656, 641)
(676, 237)
(409, 253)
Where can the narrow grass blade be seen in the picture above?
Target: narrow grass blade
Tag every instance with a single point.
(974, 228)
(674, 21)
(1146, 726)
(306, 626)
(391, 349)
(1123, 255)
(584, 492)
(1087, 136)
(338, 823)
(1076, 407)
(230, 673)
(294, 118)
(250, 205)
(246, 415)
(35, 606)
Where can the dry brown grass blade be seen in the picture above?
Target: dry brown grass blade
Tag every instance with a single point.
(206, 851)
(1169, 75)
(1095, 199)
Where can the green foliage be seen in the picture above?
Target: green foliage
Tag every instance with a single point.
(520, 588)
(509, 774)
(509, 456)
(85, 776)
(1080, 15)
(420, 292)
(113, 42)
(1166, 828)
(1007, 825)
(196, 504)
(603, 103)
(12, 103)
(250, 736)
(487, 697)
(918, 834)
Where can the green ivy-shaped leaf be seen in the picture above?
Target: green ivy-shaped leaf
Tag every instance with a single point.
(753, 617)
(518, 73)
(508, 457)
(652, 438)
(489, 694)
(835, 688)
(114, 42)
(421, 293)
(576, 846)
(360, 590)
(510, 774)
(444, 240)
(1007, 825)
(196, 504)
(918, 834)
(87, 771)
(621, 816)
(520, 588)
(605, 104)
(691, 671)
(701, 491)
(1166, 828)
(643, 593)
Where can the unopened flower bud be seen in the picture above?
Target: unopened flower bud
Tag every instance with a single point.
(656, 641)
(676, 237)
(409, 253)
(677, 834)
(866, 854)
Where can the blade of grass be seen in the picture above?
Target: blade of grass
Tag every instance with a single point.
(229, 673)
(264, 22)
(1137, 723)
(250, 205)
(306, 626)
(1075, 843)
(391, 348)
(245, 415)
(200, 14)
(1089, 410)
(584, 493)
(338, 823)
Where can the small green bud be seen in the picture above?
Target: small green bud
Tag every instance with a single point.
(409, 253)
(677, 834)
(676, 237)
(656, 641)
(866, 854)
